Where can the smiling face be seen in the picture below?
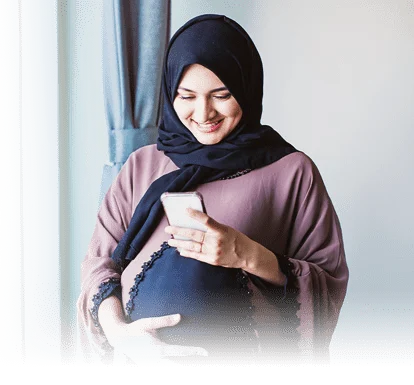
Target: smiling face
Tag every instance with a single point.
(205, 106)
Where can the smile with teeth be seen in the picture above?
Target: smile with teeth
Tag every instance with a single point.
(209, 127)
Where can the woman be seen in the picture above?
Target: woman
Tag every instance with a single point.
(270, 222)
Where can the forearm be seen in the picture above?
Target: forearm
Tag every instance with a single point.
(111, 317)
(263, 263)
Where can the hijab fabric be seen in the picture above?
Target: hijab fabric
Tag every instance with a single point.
(221, 45)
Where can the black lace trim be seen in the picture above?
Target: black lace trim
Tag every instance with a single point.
(105, 290)
(139, 277)
(251, 323)
(289, 305)
(237, 174)
(280, 290)
(286, 353)
(286, 268)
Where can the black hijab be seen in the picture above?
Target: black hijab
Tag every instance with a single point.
(221, 45)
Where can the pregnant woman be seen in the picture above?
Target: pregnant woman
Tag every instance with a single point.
(268, 276)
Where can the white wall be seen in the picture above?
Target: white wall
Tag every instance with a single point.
(339, 85)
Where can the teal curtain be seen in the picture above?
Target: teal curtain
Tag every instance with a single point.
(135, 36)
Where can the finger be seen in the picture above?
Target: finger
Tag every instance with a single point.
(187, 245)
(154, 323)
(192, 254)
(196, 235)
(202, 257)
(203, 218)
(169, 229)
(182, 351)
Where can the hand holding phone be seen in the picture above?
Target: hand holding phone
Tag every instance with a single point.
(175, 205)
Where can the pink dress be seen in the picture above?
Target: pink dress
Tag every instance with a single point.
(283, 206)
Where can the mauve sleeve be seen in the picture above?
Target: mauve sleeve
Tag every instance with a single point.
(100, 276)
(315, 248)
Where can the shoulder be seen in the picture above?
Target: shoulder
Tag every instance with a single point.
(149, 160)
(297, 165)
(147, 164)
(297, 160)
(149, 153)
(293, 176)
(142, 167)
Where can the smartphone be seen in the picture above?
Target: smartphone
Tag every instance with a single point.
(175, 205)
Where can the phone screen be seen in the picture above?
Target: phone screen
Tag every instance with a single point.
(175, 205)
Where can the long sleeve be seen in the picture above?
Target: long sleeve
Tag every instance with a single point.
(100, 276)
(316, 250)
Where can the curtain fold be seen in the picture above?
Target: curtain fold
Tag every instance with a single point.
(135, 36)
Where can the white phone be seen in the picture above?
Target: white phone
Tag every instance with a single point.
(175, 205)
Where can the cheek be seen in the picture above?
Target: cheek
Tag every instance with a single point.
(182, 110)
(232, 111)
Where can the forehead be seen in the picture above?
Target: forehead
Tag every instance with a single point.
(199, 78)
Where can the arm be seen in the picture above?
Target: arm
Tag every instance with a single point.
(224, 246)
(111, 317)
(313, 257)
(316, 251)
(264, 264)
(316, 263)
(101, 320)
(100, 276)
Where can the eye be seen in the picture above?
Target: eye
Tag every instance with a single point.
(183, 97)
(222, 97)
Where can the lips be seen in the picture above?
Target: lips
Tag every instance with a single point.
(207, 128)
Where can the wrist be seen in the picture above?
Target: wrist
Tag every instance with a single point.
(263, 263)
(253, 258)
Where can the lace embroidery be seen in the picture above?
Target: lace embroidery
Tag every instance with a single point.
(288, 304)
(237, 174)
(243, 279)
(105, 290)
(134, 289)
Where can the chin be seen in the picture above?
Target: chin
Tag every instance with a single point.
(209, 141)
(212, 138)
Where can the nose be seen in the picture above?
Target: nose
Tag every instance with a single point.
(203, 111)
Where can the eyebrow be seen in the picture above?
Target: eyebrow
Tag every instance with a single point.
(215, 89)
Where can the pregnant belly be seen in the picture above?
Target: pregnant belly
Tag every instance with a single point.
(214, 302)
